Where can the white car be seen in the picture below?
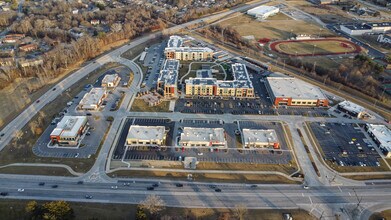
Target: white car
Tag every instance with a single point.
(200, 154)
(306, 187)
(114, 187)
(20, 190)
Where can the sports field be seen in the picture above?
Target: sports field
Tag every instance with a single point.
(315, 47)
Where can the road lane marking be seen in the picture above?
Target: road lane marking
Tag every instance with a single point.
(339, 188)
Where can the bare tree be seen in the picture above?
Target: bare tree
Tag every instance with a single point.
(240, 211)
(153, 204)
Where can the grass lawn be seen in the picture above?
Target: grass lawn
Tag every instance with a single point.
(316, 47)
(272, 28)
(140, 106)
(382, 215)
(137, 50)
(19, 151)
(208, 177)
(54, 171)
(283, 168)
(15, 209)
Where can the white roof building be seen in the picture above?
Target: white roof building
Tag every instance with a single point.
(263, 11)
(93, 99)
(111, 80)
(175, 41)
(292, 91)
(259, 138)
(203, 137)
(145, 135)
(353, 109)
(381, 134)
(69, 129)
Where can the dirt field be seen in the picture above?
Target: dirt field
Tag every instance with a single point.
(327, 14)
(315, 47)
(140, 105)
(272, 28)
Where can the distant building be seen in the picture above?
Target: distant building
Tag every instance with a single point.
(255, 138)
(94, 21)
(12, 38)
(263, 11)
(188, 53)
(203, 137)
(365, 28)
(353, 109)
(111, 81)
(69, 130)
(146, 135)
(167, 81)
(75, 11)
(28, 47)
(30, 62)
(93, 100)
(380, 134)
(8, 61)
(290, 91)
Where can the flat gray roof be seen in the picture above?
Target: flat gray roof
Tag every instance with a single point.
(290, 87)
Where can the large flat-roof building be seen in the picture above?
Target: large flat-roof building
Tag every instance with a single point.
(263, 11)
(380, 134)
(203, 137)
(364, 28)
(111, 81)
(188, 53)
(240, 87)
(146, 135)
(256, 138)
(69, 130)
(167, 81)
(353, 109)
(290, 91)
(93, 99)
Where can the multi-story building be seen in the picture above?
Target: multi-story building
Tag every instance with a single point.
(111, 81)
(290, 91)
(203, 137)
(175, 41)
(188, 53)
(93, 99)
(167, 81)
(380, 134)
(255, 138)
(69, 130)
(146, 135)
(240, 87)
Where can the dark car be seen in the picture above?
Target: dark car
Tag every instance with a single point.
(155, 185)
(179, 185)
(4, 194)
(254, 186)
(54, 89)
(55, 186)
(150, 188)
(37, 101)
(217, 190)
(80, 182)
(41, 183)
(88, 114)
(88, 197)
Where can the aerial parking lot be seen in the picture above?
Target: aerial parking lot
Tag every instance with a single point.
(345, 145)
(234, 153)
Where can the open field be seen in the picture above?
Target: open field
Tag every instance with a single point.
(140, 105)
(273, 29)
(19, 151)
(382, 215)
(15, 209)
(208, 177)
(315, 47)
(55, 171)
